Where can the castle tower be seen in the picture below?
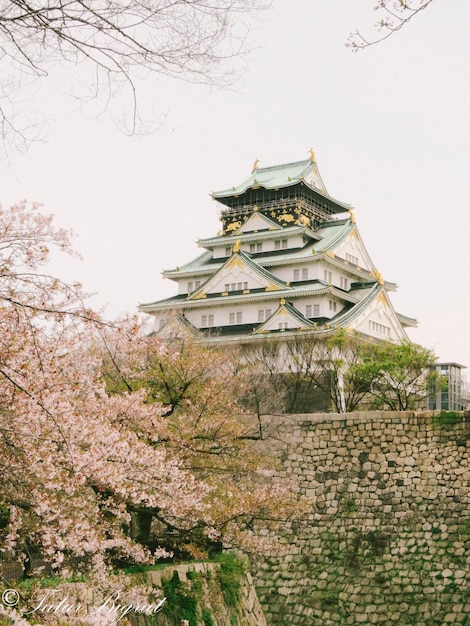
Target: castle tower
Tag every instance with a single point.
(289, 259)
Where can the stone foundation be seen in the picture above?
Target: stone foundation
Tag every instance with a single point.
(387, 540)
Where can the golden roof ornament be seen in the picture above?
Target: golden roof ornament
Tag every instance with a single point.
(236, 246)
(312, 156)
(255, 166)
(378, 277)
(352, 217)
(282, 301)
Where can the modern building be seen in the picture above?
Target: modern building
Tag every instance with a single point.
(288, 259)
(447, 389)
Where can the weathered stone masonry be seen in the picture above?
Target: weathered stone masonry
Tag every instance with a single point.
(387, 540)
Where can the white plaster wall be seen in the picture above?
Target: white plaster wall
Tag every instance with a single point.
(183, 283)
(250, 311)
(222, 313)
(354, 247)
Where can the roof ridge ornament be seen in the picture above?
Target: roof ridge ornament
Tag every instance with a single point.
(236, 246)
(255, 166)
(312, 156)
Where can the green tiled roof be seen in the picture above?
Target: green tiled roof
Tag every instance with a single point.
(289, 292)
(280, 176)
(225, 240)
(271, 178)
(330, 236)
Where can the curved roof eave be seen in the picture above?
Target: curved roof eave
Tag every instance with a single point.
(281, 177)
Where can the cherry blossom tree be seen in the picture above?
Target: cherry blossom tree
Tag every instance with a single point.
(70, 470)
(102, 427)
(205, 428)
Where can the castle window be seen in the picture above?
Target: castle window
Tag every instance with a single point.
(197, 284)
(207, 321)
(235, 318)
(352, 259)
(312, 310)
(305, 273)
(264, 314)
(343, 283)
(327, 276)
(282, 325)
(296, 275)
(332, 305)
(284, 243)
(228, 251)
(190, 287)
(381, 329)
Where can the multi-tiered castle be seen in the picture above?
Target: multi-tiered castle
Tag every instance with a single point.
(289, 259)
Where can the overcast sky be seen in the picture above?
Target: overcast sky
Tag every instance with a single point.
(389, 126)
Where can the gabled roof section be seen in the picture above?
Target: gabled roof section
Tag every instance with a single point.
(375, 307)
(257, 222)
(239, 268)
(177, 326)
(277, 176)
(284, 318)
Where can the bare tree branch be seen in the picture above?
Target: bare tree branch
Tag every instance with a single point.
(394, 15)
(193, 40)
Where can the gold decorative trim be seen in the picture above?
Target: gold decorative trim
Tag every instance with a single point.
(234, 262)
(233, 226)
(378, 277)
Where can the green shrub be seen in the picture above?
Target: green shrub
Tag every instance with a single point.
(230, 576)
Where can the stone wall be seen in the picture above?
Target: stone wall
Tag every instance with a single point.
(202, 582)
(199, 593)
(387, 539)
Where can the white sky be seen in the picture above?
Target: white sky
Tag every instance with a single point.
(389, 126)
